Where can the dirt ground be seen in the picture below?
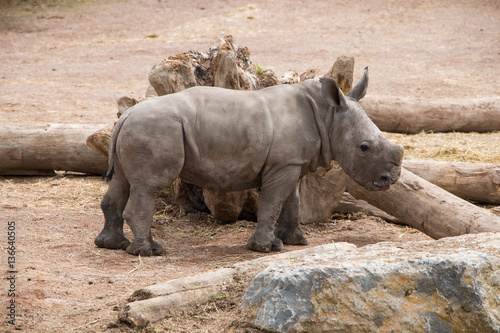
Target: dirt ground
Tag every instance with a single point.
(69, 62)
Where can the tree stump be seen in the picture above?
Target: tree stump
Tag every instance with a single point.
(172, 75)
(225, 68)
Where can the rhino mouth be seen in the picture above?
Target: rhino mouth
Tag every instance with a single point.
(384, 181)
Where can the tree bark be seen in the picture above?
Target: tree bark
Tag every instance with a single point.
(413, 115)
(99, 141)
(343, 72)
(29, 149)
(470, 181)
(320, 193)
(172, 75)
(349, 205)
(428, 208)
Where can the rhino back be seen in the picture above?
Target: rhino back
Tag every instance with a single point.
(229, 136)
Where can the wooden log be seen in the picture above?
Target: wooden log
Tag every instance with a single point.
(427, 207)
(225, 206)
(188, 197)
(309, 74)
(172, 75)
(226, 70)
(125, 103)
(470, 181)
(233, 69)
(290, 77)
(413, 115)
(343, 72)
(351, 205)
(60, 147)
(99, 141)
(320, 193)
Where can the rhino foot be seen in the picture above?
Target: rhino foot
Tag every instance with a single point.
(111, 240)
(263, 244)
(145, 248)
(291, 236)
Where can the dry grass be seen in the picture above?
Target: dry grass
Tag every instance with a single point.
(61, 192)
(451, 147)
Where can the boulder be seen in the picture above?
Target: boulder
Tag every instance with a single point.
(449, 285)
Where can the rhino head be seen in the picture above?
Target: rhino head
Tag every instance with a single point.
(357, 144)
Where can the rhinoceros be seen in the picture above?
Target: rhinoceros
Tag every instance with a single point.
(231, 140)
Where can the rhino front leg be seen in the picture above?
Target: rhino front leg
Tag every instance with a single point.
(139, 216)
(276, 187)
(288, 229)
(112, 205)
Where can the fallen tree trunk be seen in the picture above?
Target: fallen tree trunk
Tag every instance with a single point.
(470, 181)
(428, 208)
(413, 115)
(28, 149)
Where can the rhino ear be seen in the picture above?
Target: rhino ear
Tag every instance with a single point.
(332, 93)
(359, 90)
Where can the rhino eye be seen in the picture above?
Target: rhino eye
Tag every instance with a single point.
(364, 147)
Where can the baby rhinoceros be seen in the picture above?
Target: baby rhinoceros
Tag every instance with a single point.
(231, 140)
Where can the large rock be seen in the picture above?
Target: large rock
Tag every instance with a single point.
(450, 285)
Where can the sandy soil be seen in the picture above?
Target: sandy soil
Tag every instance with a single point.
(70, 63)
(67, 284)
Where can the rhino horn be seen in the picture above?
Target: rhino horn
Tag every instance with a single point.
(359, 90)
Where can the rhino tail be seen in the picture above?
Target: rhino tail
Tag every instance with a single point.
(112, 146)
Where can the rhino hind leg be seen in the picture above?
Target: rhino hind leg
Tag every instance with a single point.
(112, 205)
(276, 188)
(288, 229)
(139, 216)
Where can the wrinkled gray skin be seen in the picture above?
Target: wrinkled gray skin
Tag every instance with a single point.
(234, 140)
